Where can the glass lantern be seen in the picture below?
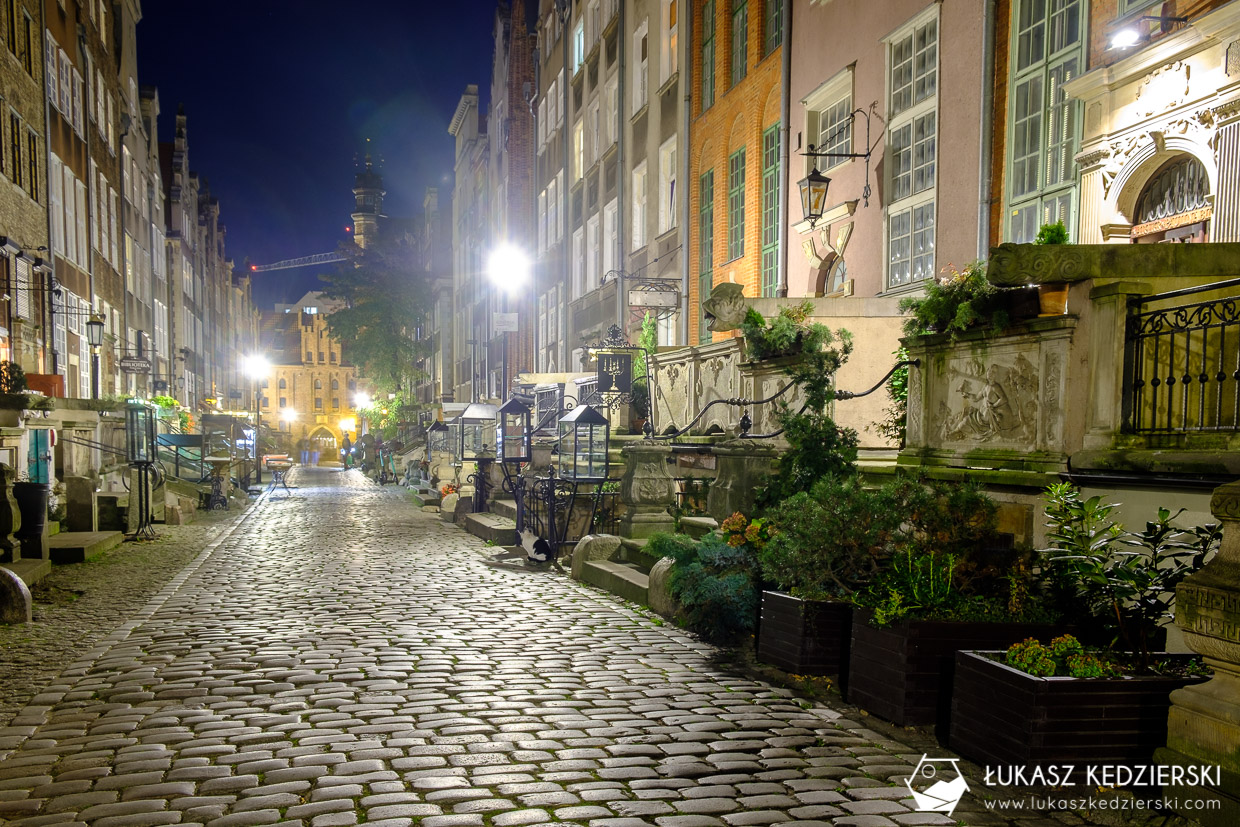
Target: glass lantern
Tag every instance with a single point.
(513, 422)
(453, 440)
(436, 439)
(477, 431)
(583, 445)
(139, 433)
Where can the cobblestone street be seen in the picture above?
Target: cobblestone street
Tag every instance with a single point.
(339, 657)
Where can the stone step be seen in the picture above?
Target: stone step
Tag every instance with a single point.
(425, 498)
(618, 577)
(504, 508)
(499, 530)
(698, 527)
(633, 551)
(77, 546)
(30, 570)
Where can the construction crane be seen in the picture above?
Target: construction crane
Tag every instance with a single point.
(304, 261)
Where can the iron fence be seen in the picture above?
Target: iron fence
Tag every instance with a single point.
(562, 511)
(1182, 371)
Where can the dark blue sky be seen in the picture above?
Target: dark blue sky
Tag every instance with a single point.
(281, 96)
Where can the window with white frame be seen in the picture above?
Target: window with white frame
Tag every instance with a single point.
(553, 211)
(592, 254)
(912, 150)
(579, 150)
(611, 228)
(611, 106)
(578, 263)
(828, 120)
(542, 221)
(594, 119)
(639, 206)
(641, 65)
(578, 46)
(55, 188)
(542, 124)
(69, 196)
(24, 306)
(667, 185)
(594, 23)
(79, 217)
(668, 42)
(1048, 50)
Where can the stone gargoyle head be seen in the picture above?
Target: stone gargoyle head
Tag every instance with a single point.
(725, 308)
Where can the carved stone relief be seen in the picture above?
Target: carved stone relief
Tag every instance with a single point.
(990, 402)
(1233, 58)
(1164, 88)
(1052, 411)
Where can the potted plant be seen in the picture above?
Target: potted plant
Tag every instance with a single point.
(713, 582)
(957, 301)
(952, 583)
(1060, 703)
(1053, 297)
(826, 545)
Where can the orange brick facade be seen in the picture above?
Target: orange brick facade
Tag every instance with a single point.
(737, 118)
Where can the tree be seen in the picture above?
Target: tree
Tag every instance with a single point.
(386, 300)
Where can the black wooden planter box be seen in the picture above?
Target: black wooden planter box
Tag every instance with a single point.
(903, 673)
(1003, 716)
(804, 637)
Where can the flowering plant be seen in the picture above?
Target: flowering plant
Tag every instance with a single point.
(738, 530)
(449, 488)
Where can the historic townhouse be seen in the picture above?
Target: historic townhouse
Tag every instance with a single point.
(551, 261)
(183, 267)
(734, 144)
(471, 243)
(887, 83)
(433, 239)
(511, 183)
(25, 263)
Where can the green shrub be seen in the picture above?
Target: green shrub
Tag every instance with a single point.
(1064, 657)
(1055, 233)
(817, 449)
(961, 300)
(715, 584)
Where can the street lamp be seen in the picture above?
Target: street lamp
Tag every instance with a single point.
(257, 368)
(94, 337)
(813, 195)
(509, 269)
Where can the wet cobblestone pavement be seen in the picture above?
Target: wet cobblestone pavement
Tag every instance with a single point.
(340, 658)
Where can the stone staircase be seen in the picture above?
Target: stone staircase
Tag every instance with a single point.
(425, 494)
(499, 525)
(625, 572)
(80, 546)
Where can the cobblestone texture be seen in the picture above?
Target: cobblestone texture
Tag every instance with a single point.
(338, 657)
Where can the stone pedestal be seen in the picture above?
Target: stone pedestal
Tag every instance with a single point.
(80, 508)
(743, 467)
(647, 490)
(1203, 727)
(10, 517)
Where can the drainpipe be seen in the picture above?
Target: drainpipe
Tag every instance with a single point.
(686, 82)
(622, 36)
(785, 107)
(987, 130)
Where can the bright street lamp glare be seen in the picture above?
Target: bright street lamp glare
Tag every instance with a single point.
(288, 414)
(1125, 38)
(257, 367)
(508, 267)
(361, 400)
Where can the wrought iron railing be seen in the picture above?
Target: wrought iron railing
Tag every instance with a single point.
(1182, 363)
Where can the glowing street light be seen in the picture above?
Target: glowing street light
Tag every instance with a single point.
(257, 367)
(508, 267)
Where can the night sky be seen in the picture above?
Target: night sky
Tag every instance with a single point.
(281, 96)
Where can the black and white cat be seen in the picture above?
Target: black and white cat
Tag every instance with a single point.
(537, 549)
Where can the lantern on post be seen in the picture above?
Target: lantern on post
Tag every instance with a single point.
(477, 434)
(452, 441)
(436, 439)
(512, 423)
(813, 195)
(583, 440)
(139, 433)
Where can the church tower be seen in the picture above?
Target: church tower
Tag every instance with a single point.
(368, 207)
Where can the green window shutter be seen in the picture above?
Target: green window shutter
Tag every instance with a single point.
(736, 204)
(706, 248)
(770, 211)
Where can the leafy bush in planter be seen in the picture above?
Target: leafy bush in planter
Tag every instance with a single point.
(1064, 657)
(817, 449)
(1122, 580)
(956, 302)
(715, 584)
(832, 540)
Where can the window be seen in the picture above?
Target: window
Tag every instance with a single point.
(55, 181)
(708, 54)
(706, 247)
(28, 51)
(283, 385)
(592, 253)
(15, 148)
(772, 26)
(596, 137)
(912, 151)
(335, 403)
(50, 50)
(736, 204)
(667, 63)
(667, 185)
(542, 221)
(318, 384)
(641, 66)
(611, 103)
(335, 384)
(318, 403)
(829, 120)
(639, 206)
(320, 356)
(611, 228)
(579, 150)
(283, 401)
(11, 34)
(309, 356)
(1048, 50)
(578, 263)
(24, 306)
(770, 211)
(740, 39)
(32, 163)
(554, 227)
(579, 45)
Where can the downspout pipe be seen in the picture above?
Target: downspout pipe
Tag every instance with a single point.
(785, 108)
(686, 82)
(987, 131)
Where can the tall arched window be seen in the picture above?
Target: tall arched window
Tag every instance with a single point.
(283, 384)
